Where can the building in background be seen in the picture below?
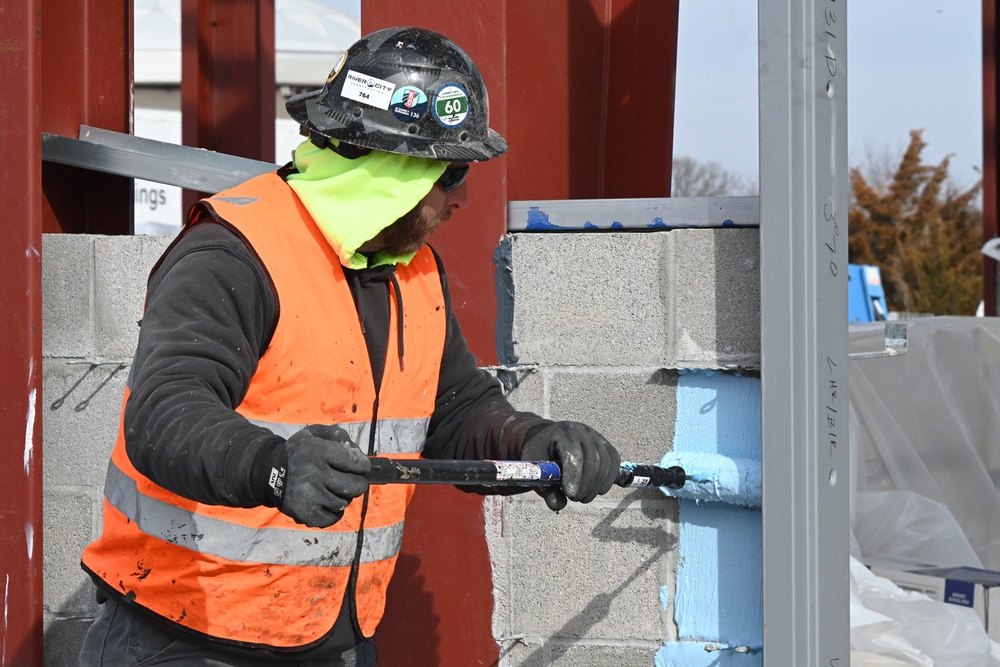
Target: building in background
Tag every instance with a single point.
(309, 38)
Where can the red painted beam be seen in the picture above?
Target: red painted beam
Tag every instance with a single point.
(991, 174)
(86, 74)
(227, 76)
(20, 328)
(590, 98)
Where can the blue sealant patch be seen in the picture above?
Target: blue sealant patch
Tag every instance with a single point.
(539, 219)
(664, 598)
(718, 597)
(657, 222)
(705, 654)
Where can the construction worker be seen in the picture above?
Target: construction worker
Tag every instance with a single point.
(297, 326)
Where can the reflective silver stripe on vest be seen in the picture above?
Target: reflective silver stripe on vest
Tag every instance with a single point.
(238, 201)
(278, 546)
(393, 436)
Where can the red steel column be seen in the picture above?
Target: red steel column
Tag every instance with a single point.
(20, 329)
(591, 98)
(227, 76)
(86, 74)
(991, 175)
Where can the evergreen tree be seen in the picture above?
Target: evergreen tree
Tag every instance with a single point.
(922, 232)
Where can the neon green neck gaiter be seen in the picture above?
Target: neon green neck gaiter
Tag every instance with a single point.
(353, 200)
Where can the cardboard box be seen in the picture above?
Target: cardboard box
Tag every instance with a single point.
(965, 586)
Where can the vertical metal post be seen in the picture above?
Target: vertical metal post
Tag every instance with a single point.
(803, 244)
(991, 174)
(20, 329)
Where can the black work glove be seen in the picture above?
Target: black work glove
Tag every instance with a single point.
(314, 475)
(588, 462)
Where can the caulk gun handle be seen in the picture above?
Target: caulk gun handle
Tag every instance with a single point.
(507, 473)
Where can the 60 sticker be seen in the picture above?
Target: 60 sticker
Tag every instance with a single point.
(451, 105)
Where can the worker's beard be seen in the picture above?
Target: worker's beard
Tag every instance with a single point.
(409, 233)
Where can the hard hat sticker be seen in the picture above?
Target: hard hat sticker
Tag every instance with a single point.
(336, 68)
(409, 104)
(367, 89)
(451, 105)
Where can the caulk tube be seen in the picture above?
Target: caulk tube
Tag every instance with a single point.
(716, 478)
(506, 473)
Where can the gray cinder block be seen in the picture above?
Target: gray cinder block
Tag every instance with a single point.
(685, 298)
(81, 402)
(634, 408)
(526, 389)
(588, 299)
(68, 521)
(715, 287)
(591, 655)
(67, 281)
(122, 264)
(589, 571)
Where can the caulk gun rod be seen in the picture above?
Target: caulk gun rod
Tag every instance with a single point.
(506, 473)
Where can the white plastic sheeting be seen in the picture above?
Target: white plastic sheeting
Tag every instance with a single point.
(925, 451)
(890, 626)
(928, 422)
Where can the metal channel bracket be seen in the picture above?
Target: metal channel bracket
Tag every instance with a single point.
(127, 155)
(895, 343)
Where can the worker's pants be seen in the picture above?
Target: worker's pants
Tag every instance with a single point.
(122, 639)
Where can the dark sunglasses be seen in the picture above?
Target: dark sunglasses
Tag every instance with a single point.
(453, 177)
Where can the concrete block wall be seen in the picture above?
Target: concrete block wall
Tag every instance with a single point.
(602, 326)
(92, 291)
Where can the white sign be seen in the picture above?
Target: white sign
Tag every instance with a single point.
(367, 89)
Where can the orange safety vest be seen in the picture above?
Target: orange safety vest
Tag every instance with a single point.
(254, 576)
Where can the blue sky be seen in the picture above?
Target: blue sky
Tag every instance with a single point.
(912, 64)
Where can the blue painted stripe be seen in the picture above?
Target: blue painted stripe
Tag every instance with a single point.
(718, 596)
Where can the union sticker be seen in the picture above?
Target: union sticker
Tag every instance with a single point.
(367, 89)
(451, 105)
(336, 68)
(409, 104)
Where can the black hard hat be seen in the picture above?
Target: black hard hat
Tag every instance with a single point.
(404, 90)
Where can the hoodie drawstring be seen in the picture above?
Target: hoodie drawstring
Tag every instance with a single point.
(399, 319)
